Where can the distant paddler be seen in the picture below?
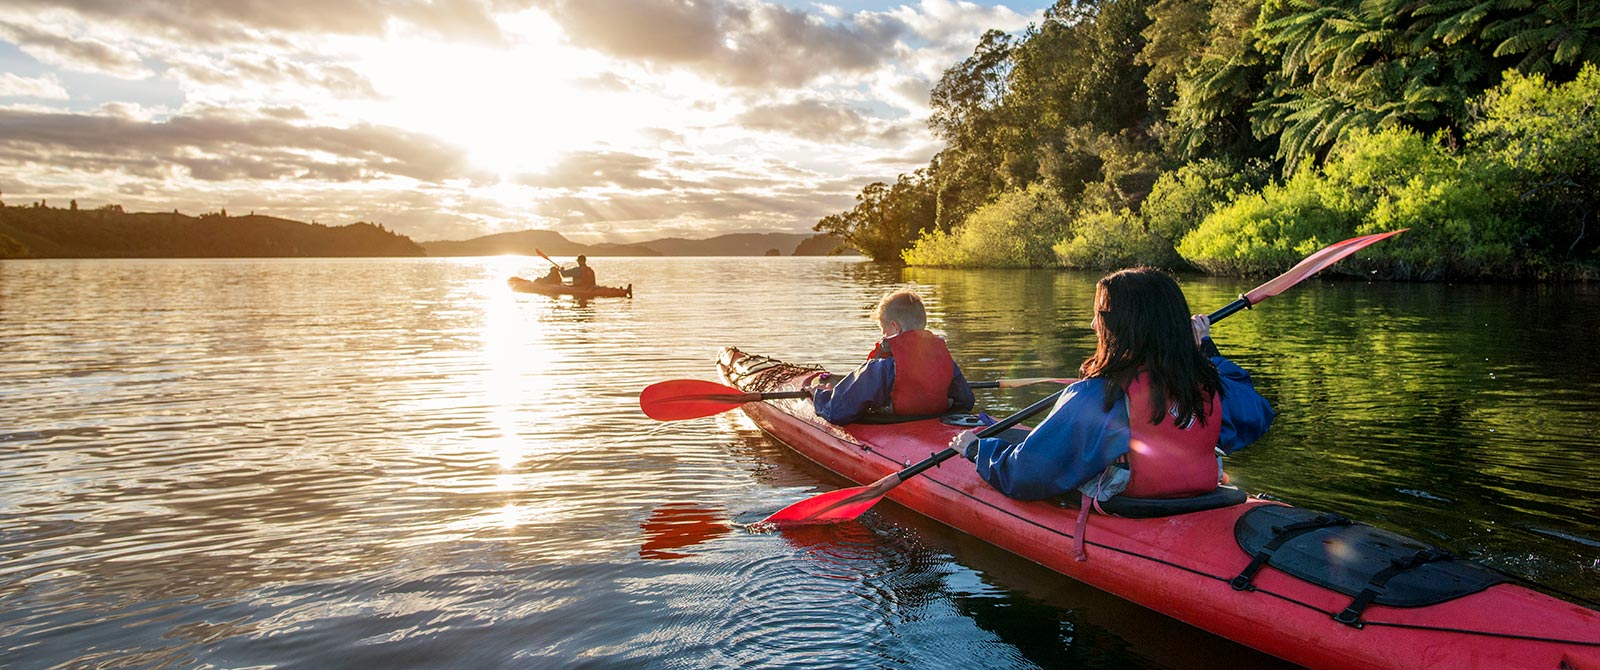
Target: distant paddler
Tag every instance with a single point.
(582, 275)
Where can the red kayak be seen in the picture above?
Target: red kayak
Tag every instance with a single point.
(527, 286)
(1313, 589)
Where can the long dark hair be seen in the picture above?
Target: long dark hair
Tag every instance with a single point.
(1144, 327)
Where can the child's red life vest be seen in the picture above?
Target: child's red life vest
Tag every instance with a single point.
(923, 370)
(1166, 461)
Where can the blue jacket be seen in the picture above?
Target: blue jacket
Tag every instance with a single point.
(1080, 438)
(867, 390)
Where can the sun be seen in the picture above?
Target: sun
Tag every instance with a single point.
(514, 106)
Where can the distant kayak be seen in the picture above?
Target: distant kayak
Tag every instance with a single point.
(1313, 588)
(525, 286)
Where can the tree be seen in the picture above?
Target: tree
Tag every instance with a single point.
(968, 116)
(886, 218)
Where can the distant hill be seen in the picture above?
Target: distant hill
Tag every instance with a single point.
(554, 244)
(37, 231)
(824, 245)
(529, 243)
(735, 244)
(47, 232)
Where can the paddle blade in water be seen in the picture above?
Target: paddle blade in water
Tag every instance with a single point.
(1329, 255)
(680, 399)
(833, 506)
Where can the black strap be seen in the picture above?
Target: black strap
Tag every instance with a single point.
(1351, 616)
(1280, 535)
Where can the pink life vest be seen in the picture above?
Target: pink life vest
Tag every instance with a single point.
(1166, 461)
(923, 371)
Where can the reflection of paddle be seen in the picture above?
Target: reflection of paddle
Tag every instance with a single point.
(679, 399)
(847, 504)
(679, 525)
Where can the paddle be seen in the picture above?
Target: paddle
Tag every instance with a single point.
(1019, 383)
(541, 255)
(847, 504)
(679, 399)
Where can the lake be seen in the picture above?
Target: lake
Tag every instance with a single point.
(326, 463)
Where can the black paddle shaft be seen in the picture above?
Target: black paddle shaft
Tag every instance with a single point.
(1038, 407)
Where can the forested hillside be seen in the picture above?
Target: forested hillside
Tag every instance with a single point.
(39, 231)
(1235, 136)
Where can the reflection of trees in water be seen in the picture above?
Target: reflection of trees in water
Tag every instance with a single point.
(1004, 324)
(883, 275)
(770, 462)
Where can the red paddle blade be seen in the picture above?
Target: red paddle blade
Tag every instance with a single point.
(833, 506)
(1333, 253)
(679, 399)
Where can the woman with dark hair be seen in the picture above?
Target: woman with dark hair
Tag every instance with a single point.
(1155, 403)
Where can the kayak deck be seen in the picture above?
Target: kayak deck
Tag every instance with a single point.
(1180, 565)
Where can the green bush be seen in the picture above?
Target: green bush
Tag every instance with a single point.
(1371, 182)
(1181, 199)
(1105, 240)
(1267, 231)
(1545, 140)
(1396, 178)
(1016, 230)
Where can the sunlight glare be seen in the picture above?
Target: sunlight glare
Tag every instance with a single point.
(513, 108)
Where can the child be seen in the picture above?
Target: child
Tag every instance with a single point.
(909, 374)
(551, 277)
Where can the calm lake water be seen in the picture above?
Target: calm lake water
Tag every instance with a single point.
(401, 463)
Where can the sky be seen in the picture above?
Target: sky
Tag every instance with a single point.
(604, 120)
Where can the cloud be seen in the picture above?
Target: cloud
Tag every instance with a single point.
(599, 193)
(84, 54)
(241, 70)
(46, 87)
(215, 148)
(606, 81)
(586, 169)
(813, 120)
(759, 45)
(794, 210)
(947, 21)
(222, 21)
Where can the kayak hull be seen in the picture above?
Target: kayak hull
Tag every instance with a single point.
(1181, 565)
(526, 286)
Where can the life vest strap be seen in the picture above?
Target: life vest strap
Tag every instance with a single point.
(1079, 552)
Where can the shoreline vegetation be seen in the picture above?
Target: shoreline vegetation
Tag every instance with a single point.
(38, 230)
(1234, 136)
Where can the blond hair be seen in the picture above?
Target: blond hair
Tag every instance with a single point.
(904, 308)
